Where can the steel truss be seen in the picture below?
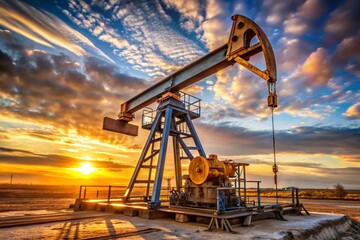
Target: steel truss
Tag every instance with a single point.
(169, 121)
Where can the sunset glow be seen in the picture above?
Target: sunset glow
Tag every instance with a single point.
(86, 168)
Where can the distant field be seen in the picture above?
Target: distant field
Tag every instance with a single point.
(57, 191)
(309, 194)
(18, 197)
(37, 191)
(47, 197)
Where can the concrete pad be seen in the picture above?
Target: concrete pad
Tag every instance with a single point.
(152, 214)
(247, 220)
(131, 212)
(182, 218)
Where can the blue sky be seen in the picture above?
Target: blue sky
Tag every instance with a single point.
(67, 64)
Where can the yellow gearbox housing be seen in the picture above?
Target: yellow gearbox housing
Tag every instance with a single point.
(202, 169)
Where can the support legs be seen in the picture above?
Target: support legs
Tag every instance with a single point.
(155, 198)
(169, 127)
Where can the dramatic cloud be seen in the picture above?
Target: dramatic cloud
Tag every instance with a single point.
(54, 89)
(300, 140)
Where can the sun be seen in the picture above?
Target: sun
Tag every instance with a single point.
(86, 168)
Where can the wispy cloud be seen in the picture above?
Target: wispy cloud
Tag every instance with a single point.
(150, 45)
(44, 28)
(190, 11)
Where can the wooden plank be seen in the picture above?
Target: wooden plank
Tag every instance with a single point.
(120, 126)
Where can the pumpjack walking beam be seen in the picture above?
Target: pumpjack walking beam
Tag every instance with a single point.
(238, 49)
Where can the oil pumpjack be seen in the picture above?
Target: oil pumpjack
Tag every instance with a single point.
(209, 183)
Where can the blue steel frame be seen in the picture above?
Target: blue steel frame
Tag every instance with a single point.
(171, 109)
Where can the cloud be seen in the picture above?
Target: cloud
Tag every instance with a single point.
(194, 89)
(59, 161)
(290, 52)
(55, 90)
(346, 54)
(151, 45)
(214, 112)
(11, 150)
(343, 21)
(243, 91)
(324, 177)
(215, 29)
(299, 140)
(304, 84)
(304, 18)
(191, 12)
(277, 11)
(353, 112)
(315, 71)
(317, 68)
(295, 25)
(44, 28)
(45, 168)
(301, 164)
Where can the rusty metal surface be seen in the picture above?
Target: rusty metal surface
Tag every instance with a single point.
(239, 49)
(201, 169)
(120, 126)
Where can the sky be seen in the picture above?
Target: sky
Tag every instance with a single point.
(64, 65)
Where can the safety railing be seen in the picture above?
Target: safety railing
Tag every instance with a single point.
(97, 192)
(242, 199)
(148, 117)
(108, 193)
(192, 104)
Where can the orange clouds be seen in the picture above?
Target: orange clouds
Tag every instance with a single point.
(353, 111)
(317, 68)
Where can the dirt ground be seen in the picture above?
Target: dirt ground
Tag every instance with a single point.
(119, 226)
(350, 208)
(354, 213)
